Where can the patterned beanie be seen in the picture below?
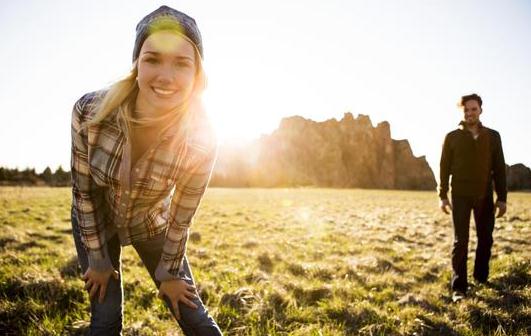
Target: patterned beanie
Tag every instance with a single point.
(163, 19)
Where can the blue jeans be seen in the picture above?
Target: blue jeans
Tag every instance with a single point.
(106, 317)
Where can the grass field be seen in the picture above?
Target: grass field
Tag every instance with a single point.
(279, 262)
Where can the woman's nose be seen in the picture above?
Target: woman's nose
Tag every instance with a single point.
(166, 74)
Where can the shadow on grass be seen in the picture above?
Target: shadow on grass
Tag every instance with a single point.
(27, 303)
(517, 277)
(53, 238)
(506, 312)
(265, 263)
(309, 296)
(362, 320)
(71, 269)
(28, 245)
(513, 241)
(6, 241)
(65, 231)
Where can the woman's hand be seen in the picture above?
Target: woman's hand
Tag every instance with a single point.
(96, 282)
(178, 290)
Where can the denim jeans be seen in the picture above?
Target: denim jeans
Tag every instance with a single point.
(483, 209)
(106, 318)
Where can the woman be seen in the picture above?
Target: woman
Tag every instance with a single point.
(142, 154)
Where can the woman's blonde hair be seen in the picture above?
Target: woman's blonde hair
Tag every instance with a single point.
(121, 97)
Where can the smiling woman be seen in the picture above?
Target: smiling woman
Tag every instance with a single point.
(166, 73)
(142, 155)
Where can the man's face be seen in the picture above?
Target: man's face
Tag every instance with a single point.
(471, 112)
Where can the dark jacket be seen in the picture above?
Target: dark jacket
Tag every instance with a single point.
(473, 164)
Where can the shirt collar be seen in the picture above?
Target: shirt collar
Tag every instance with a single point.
(173, 130)
(462, 125)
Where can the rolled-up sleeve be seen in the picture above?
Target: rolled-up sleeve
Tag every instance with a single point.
(86, 200)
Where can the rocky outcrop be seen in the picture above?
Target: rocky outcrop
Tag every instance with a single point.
(518, 177)
(349, 153)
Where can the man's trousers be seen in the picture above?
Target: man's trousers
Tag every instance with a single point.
(483, 209)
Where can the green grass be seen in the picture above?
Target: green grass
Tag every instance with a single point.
(279, 262)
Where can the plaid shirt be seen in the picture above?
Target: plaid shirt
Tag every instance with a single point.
(161, 193)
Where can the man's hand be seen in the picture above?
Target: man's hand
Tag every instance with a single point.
(502, 208)
(96, 282)
(444, 205)
(178, 290)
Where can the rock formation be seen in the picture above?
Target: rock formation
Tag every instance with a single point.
(518, 177)
(349, 153)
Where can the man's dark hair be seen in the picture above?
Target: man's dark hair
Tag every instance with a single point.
(469, 97)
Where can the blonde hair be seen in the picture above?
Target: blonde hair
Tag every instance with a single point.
(121, 97)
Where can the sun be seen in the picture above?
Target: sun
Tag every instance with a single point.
(232, 122)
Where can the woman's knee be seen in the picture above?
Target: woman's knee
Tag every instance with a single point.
(198, 319)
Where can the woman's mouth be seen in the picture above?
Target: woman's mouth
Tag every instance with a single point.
(163, 92)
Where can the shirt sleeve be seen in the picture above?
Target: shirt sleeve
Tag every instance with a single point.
(85, 199)
(499, 173)
(189, 190)
(444, 171)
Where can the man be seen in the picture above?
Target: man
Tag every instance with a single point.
(473, 156)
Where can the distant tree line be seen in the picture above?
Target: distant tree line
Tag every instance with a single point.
(518, 178)
(29, 177)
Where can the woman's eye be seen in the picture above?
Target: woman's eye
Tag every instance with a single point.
(151, 60)
(183, 64)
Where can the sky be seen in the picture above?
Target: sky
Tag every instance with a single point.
(406, 62)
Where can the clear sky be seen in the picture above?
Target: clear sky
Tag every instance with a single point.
(406, 62)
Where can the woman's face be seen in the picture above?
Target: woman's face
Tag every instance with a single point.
(166, 72)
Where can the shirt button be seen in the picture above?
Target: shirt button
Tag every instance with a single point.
(123, 204)
(127, 192)
(137, 170)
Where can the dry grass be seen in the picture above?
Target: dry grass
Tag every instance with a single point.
(278, 262)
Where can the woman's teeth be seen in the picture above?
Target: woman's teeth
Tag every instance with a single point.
(163, 91)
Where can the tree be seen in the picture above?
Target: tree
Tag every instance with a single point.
(61, 178)
(47, 175)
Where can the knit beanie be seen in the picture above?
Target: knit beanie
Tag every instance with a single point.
(163, 19)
